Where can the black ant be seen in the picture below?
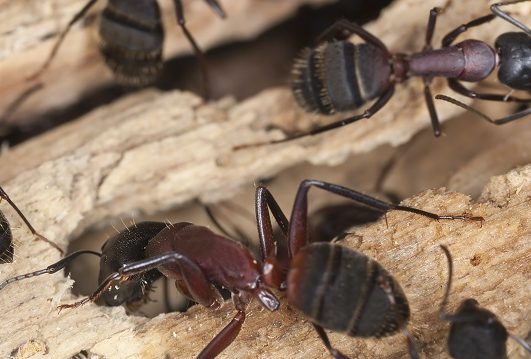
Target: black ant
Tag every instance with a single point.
(7, 250)
(338, 76)
(198, 260)
(475, 332)
(131, 36)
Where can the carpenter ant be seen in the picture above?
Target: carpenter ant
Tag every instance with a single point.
(131, 39)
(7, 250)
(198, 259)
(475, 332)
(338, 75)
(514, 50)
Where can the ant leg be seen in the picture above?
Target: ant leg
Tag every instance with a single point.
(264, 203)
(3, 195)
(216, 7)
(521, 341)
(380, 102)
(495, 8)
(411, 345)
(431, 26)
(458, 87)
(499, 121)
(435, 124)
(19, 100)
(200, 290)
(343, 26)
(298, 222)
(62, 36)
(197, 50)
(50, 269)
(324, 337)
(224, 338)
(452, 35)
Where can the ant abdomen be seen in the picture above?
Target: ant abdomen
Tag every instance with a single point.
(371, 300)
(339, 76)
(6, 241)
(131, 36)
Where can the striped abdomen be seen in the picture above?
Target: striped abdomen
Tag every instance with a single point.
(6, 241)
(131, 40)
(341, 290)
(339, 76)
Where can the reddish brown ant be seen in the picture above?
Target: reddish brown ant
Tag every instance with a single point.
(198, 260)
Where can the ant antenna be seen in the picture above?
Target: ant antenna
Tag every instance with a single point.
(444, 302)
(57, 266)
(495, 8)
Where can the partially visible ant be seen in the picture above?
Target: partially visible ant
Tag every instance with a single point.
(335, 287)
(475, 332)
(132, 35)
(338, 76)
(514, 50)
(7, 250)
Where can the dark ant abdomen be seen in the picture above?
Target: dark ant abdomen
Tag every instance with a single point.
(340, 76)
(342, 278)
(131, 40)
(515, 67)
(128, 246)
(6, 241)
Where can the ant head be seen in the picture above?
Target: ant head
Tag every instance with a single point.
(126, 247)
(514, 49)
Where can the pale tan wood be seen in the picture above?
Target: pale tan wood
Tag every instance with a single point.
(30, 28)
(491, 264)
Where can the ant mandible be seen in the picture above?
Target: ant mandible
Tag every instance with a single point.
(199, 260)
(338, 75)
(7, 250)
(475, 332)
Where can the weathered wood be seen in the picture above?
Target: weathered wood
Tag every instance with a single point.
(491, 264)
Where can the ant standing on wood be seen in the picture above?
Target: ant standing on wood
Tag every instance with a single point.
(132, 36)
(131, 39)
(199, 260)
(7, 250)
(338, 76)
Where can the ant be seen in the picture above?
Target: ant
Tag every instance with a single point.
(131, 39)
(475, 332)
(7, 250)
(199, 259)
(131, 35)
(338, 76)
